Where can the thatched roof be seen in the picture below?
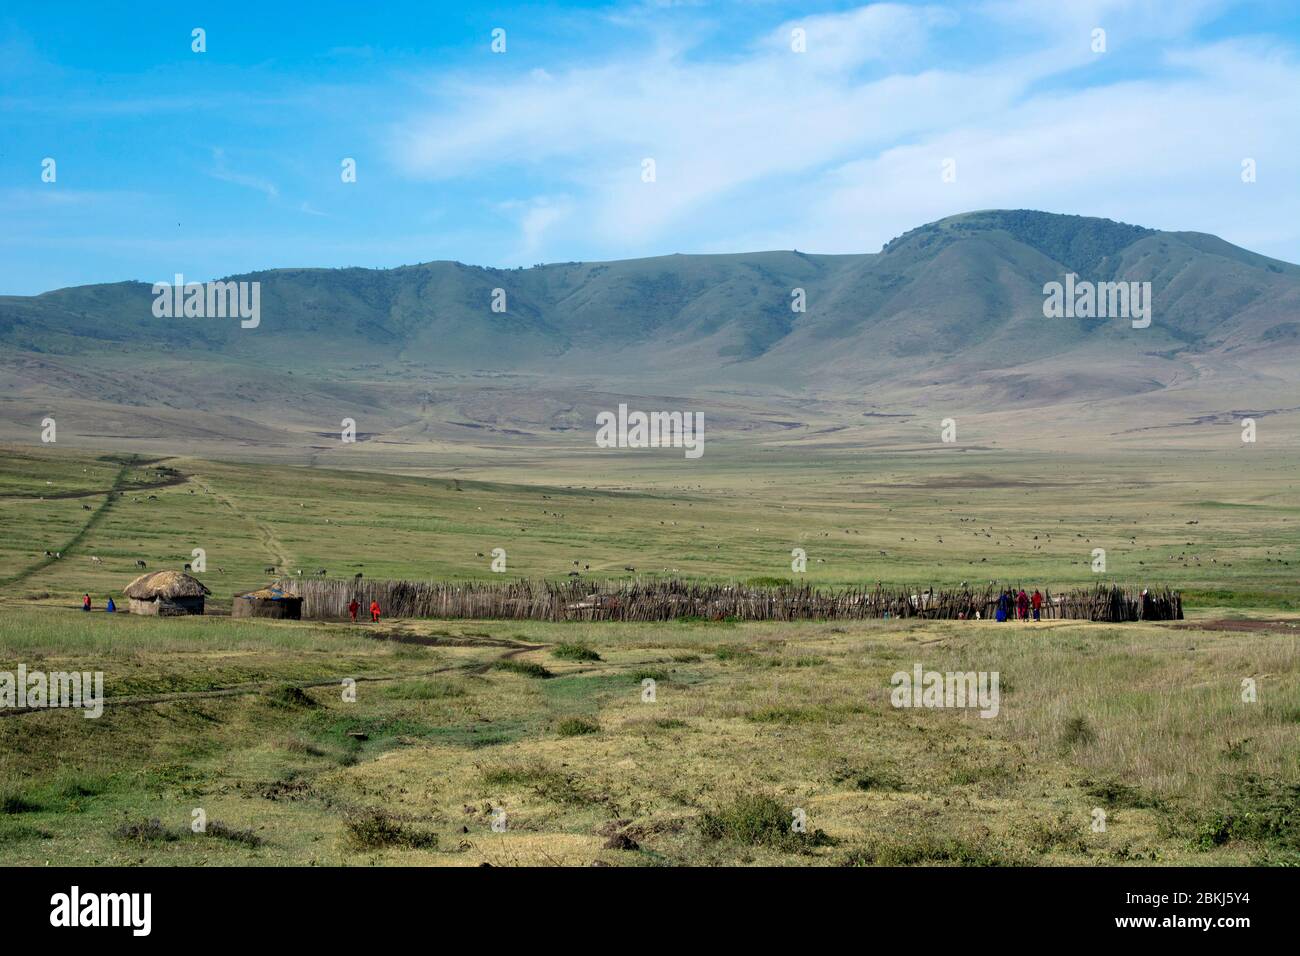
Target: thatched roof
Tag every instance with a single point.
(166, 585)
(269, 593)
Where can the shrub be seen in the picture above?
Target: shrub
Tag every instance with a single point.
(11, 801)
(1112, 793)
(576, 727)
(758, 820)
(545, 782)
(924, 849)
(574, 652)
(1047, 835)
(220, 831)
(877, 780)
(1077, 731)
(289, 697)
(375, 829)
(146, 831)
(525, 668)
(1262, 812)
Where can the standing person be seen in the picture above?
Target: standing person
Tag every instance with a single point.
(1004, 606)
(110, 607)
(353, 608)
(374, 612)
(85, 603)
(1037, 602)
(1022, 605)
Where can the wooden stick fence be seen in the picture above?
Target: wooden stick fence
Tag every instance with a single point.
(675, 599)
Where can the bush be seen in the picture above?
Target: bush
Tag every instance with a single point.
(525, 668)
(147, 831)
(576, 727)
(289, 697)
(922, 850)
(11, 801)
(546, 782)
(1077, 731)
(1061, 833)
(575, 652)
(1112, 793)
(375, 829)
(758, 820)
(220, 831)
(1263, 812)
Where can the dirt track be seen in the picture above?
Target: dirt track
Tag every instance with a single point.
(515, 648)
(1239, 624)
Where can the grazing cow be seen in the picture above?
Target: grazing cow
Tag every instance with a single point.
(49, 554)
(187, 567)
(321, 572)
(575, 574)
(140, 564)
(95, 560)
(85, 507)
(357, 576)
(269, 570)
(628, 567)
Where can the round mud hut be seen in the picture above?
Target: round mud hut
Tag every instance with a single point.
(166, 593)
(270, 601)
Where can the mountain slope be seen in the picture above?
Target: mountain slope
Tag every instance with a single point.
(952, 311)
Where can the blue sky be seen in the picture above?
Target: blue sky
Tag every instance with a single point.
(229, 160)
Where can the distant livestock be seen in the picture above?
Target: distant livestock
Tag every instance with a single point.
(140, 564)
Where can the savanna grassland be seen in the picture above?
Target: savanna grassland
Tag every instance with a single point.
(455, 723)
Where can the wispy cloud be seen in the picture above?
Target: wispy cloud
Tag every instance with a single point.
(221, 170)
(839, 148)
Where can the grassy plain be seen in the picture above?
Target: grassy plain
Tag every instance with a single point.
(457, 722)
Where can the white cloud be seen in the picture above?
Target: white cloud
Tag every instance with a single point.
(838, 149)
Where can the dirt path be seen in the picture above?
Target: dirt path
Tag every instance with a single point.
(1238, 624)
(273, 545)
(516, 648)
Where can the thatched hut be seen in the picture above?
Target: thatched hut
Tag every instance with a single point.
(166, 593)
(270, 601)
